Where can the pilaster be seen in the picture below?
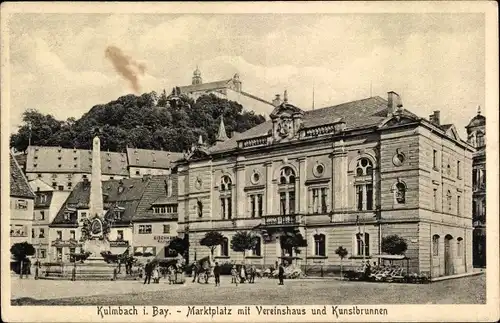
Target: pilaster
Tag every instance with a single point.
(302, 197)
(240, 186)
(269, 188)
(339, 177)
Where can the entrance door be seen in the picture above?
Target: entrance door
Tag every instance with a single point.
(448, 260)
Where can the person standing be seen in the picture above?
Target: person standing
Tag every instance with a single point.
(281, 274)
(234, 275)
(253, 272)
(148, 270)
(195, 271)
(217, 274)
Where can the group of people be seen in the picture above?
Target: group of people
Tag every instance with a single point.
(153, 271)
(243, 275)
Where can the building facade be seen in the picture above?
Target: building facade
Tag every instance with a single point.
(47, 203)
(150, 162)
(346, 175)
(62, 168)
(21, 205)
(476, 136)
(230, 89)
(155, 221)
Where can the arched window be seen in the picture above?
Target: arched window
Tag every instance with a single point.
(226, 197)
(435, 245)
(362, 244)
(286, 190)
(224, 248)
(448, 198)
(459, 247)
(400, 193)
(319, 245)
(364, 184)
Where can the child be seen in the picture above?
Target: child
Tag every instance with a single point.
(234, 275)
(171, 275)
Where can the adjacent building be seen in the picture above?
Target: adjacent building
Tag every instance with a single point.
(21, 204)
(346, 175)
(47, 203)
(150, 162)
(230, 89)
(63, 168)
(476, 134)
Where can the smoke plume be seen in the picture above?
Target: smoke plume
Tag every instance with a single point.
(126, 66)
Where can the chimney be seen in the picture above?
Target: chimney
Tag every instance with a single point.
(277, 100)
(435, 118)
(393, 102)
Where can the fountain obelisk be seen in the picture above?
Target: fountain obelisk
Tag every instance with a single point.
(98, 240)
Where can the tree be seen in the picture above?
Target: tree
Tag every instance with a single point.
(394, 245)
(342, 253)
(243, 241)
(178, 245)
(20, 251)
(212, 239)
(293, 241)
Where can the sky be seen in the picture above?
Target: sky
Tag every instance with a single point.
(434, 61)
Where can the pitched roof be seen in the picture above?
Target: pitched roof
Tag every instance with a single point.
(356, 114)
(39, 185)
(205, 86)
(19, 186)
(156, 194)
(65, 160)
(128, 198)
(152, 158)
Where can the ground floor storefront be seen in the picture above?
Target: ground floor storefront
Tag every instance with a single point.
(433, 249)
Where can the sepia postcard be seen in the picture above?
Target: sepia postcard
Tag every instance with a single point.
(249, 161)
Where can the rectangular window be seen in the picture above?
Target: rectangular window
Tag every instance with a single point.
(72, 234)
(256, 250)
(32, 233)
(41, 234)
(259, 205)
(319, 204)
(252, 205)
(291, 202)
(459, 170)
(369, 197)
(54, 184)
(229, 208)
(42, 215)
(282, 203)
(458, 205)
(459, 248)
(223, 207)
(43, 253)
(60, 188)
(119, 235)
(84, 215)
(363, 244)
(22, 204)
(39, 175)
(59, 235)
(59, 253)
(435, 199)
(166, 228)
(315, 202)
(435, 245)
(359, 197)
(70, 185)
(145, 229)
(72, 251)
(434, 159)
(324, 207)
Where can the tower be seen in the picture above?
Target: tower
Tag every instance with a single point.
(197, 77)
(221, 134)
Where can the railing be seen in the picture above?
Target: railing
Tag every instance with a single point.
(118, 243)
(324, 129)
(259, 141)
(65, 243)
(281, 219)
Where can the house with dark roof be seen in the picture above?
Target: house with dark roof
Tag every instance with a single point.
(346, 175)
(21, 204)
(150, 200)
(150, 162)
(155, 220)
(121, 199)
(231, 89)
(63, 168)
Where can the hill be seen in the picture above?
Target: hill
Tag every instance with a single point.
(148, 121)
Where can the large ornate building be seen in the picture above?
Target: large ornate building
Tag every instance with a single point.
(230, 89)
(346, 175)
(476, 132)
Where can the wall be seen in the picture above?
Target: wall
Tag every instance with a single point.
(22, 217)
(157, 238)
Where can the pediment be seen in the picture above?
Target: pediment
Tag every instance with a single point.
(285, 110)
(453, 133)
(397, 120)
